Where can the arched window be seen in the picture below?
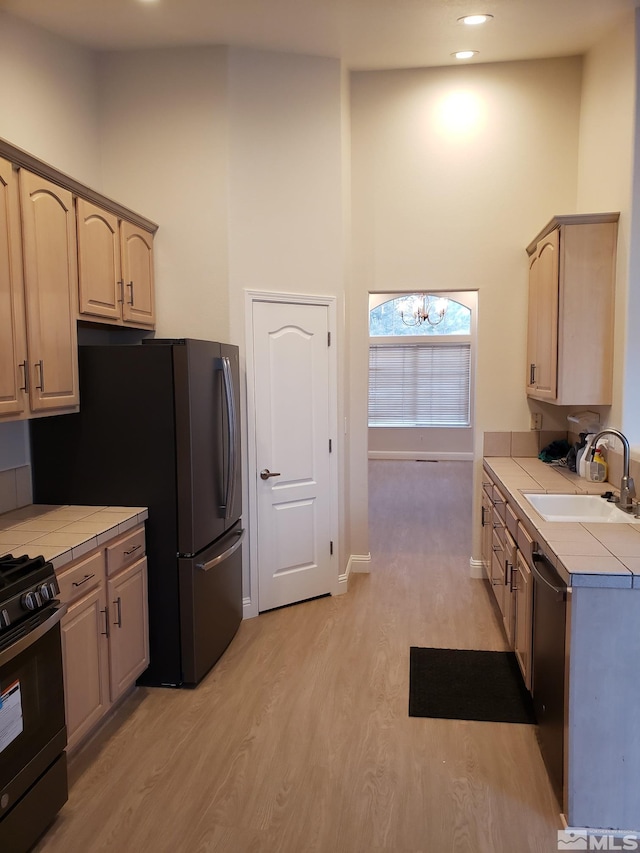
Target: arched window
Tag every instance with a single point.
(419, 361)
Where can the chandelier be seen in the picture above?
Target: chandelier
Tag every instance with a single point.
(416, 310)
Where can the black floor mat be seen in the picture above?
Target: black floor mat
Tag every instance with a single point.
(466, 684)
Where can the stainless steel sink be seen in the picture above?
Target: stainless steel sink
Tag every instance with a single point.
(579, 508)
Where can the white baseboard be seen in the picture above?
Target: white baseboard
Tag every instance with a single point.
(476, 569)
(422, 456)
(356, 564)
(249, 608)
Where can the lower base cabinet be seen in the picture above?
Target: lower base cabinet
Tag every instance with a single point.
(506, 548)
(84, 652)
(128, 643)
(105, 644)
(523, 627)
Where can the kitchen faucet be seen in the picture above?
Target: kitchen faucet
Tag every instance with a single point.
(627, 486)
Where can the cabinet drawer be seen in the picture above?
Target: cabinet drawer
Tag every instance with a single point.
(81, 577)
(499, 502)
(525, 543)
(131, 547)
(512, 522)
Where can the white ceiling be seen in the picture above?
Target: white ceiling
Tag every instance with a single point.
(365, 34)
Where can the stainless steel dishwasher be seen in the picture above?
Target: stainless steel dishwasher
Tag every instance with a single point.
(549, 646)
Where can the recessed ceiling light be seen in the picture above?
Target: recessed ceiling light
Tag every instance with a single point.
(474, 20)
(465, 54)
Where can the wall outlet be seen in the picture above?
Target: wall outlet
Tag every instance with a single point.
(536, 420)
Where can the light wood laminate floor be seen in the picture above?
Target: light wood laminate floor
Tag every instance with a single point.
(299, 740)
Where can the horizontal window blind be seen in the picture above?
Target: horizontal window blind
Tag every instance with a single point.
(420, 384)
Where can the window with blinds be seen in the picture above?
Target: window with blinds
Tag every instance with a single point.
(420, 384)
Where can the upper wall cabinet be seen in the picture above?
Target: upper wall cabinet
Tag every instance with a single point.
(115, 269)
(14, 365)
(571, 310)
(50, 282)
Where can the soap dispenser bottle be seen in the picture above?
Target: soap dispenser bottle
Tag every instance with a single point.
(597, 469)
(586, 455)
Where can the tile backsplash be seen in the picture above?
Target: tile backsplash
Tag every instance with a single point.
(15, 488)
(520, 444)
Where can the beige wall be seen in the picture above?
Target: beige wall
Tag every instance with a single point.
(454, 171)
(50, 109)
(287, 217)
(605, 170)
(49, 99)
(164, 133)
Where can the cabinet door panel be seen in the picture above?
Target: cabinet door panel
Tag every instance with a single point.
(523, 622)
(547, 284)
(532, 326)
(84, 654)
(13, 339)
(100, 289)
(128, 642)
(137, 272)
(497, 570)
(51, 285)
(508, 613)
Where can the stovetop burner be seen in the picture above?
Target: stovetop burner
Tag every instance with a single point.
(12, 568)
(26, 584)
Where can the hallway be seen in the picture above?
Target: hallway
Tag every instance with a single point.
(299, 740)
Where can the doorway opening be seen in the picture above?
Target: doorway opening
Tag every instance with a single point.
(422, 351)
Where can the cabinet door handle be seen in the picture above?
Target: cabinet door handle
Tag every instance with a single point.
(121, 284)
(508, 575)
(105, 633)
(532, 374)
(118, 604)
(131, 550)
(84, 580)
(483, 519)
(40, 364)
(130, 284)
(496, 548)
(25, 366)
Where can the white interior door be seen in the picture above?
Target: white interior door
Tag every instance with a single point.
(291, 380)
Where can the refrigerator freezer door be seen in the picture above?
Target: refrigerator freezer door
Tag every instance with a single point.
(208, 453)
(210, 603)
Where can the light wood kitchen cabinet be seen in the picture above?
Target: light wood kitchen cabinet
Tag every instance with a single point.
(51, 284)
(105, 644)
(506, 547)
(85, 653)
(523, 605)
(487, 527)
(13, 331)
(128, 633)
(571, 310)
(137, 273)
(115, 268)
(509, 604)
(497, 562)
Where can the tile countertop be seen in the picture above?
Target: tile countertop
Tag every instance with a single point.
(584, 554)
(61, 534)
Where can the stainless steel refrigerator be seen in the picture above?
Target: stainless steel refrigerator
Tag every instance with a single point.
(159, 427)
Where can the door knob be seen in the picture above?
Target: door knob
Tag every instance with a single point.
(266, 473)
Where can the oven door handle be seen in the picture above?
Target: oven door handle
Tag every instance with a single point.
(32, 637)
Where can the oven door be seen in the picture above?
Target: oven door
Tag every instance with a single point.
(32, 722)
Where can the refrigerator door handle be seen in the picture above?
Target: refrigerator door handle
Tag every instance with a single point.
(204, 567)
(232, 429)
